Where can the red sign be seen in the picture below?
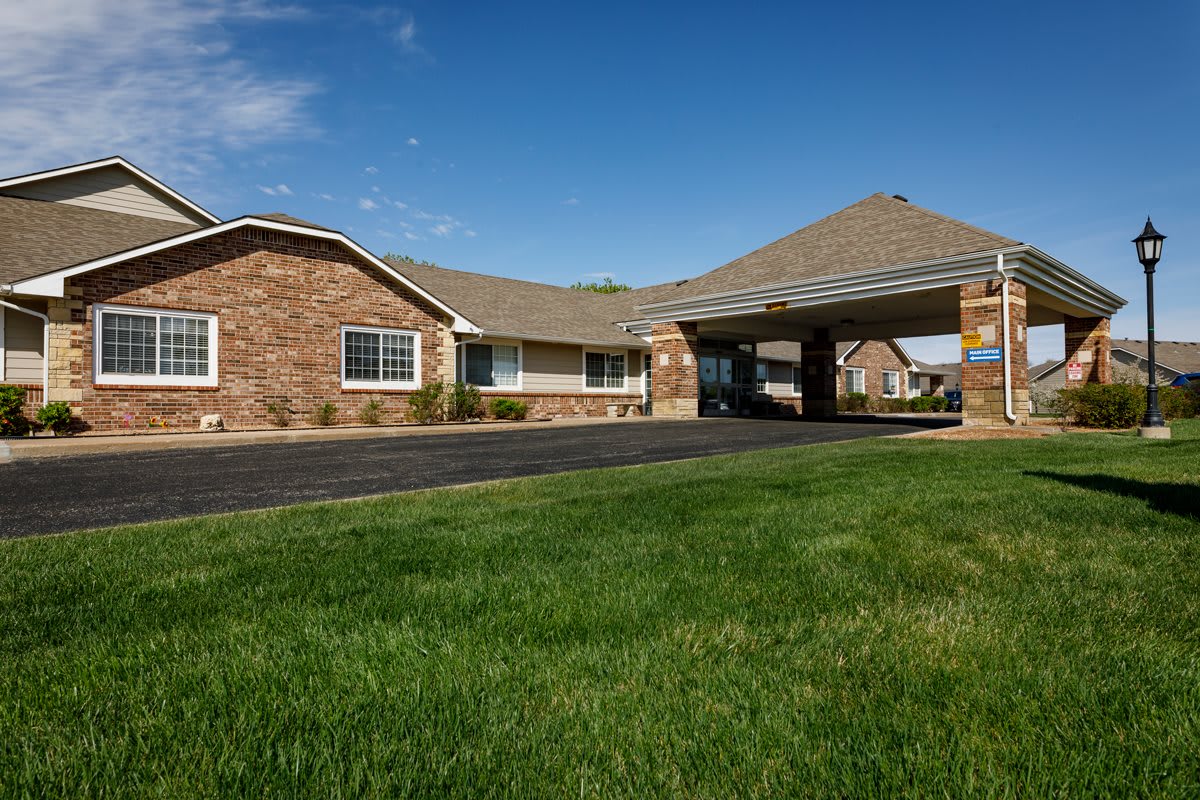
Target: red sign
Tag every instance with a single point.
(1074, 371)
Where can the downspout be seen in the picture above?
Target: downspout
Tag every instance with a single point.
(45, 345)
(1008, 408)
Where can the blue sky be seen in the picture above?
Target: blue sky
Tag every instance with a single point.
(560, 141)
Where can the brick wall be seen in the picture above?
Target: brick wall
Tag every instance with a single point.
(980, 311)
(279, 305)
(818, 377)
(550, 404)
(676, 369)
(873, 357)
(1088, 342)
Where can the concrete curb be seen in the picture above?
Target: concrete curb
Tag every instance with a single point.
(21, 449)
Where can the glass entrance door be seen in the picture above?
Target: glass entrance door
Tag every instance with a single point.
(726, 385)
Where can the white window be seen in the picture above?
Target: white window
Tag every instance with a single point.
(855, 380)
(797, 381)
(914, 385)
(891, 383)
(153, 347)
(380, 358)
(760, 383)
(604, 370)
(492, 366)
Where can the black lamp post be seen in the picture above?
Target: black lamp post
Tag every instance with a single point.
(1149, 248)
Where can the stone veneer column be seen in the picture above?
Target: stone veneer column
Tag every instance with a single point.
(1088, 342)
(446, 351)
(66, 349)
(819, 376)
(676, 371)
(980, 311)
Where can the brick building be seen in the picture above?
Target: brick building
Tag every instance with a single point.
(130, 302)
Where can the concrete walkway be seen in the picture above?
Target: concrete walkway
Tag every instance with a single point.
(99, 489)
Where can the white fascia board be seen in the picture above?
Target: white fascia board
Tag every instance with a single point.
(642, 345)
(904, 352)
(114, 161)
(51, 284)
(1074, 279)
(841, 362)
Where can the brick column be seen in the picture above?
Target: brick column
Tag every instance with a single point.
(980, 310)
(819, 376)
(676, 369)
(1088, 342)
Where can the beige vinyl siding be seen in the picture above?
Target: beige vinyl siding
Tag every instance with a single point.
(779, 378)
(23, 344)
(109, 189)
(553, 367)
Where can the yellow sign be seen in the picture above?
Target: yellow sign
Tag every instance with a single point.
(972, 340)
(776, 306)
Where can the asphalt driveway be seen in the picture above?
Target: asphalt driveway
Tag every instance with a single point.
(49, 495)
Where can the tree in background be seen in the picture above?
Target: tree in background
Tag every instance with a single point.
(406, 259)
(607, 286)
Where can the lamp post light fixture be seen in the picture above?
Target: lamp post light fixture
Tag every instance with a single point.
(1149, 249)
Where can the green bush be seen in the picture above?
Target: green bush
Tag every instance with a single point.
(281, 414)
(922, 404)
(1104, 405)
(426, 404)
(1178, 402)
(941, 403)
(854, 401)
(12, 415)
(371, 413)
(55, 416)
(889, 405)
(504, 408)
(462, 402)
(323, 415)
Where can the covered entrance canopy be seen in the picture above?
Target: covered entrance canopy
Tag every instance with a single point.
(883, 268)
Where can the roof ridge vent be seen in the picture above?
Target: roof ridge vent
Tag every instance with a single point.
(900, 197)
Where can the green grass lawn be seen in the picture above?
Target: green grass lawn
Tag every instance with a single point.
(874, 618)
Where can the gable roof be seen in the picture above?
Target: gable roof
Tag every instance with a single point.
(277, 216)
(876, 232)
(14, 185)
(37, 236)
(1038, 371)
(523, 309)
(1181, 357)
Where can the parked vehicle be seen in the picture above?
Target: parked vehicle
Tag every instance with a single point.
(1190, 380)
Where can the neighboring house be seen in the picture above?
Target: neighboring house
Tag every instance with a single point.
(937, 379)
(1130, 362)
(137, 306)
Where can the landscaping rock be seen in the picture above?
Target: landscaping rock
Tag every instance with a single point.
(212, 422)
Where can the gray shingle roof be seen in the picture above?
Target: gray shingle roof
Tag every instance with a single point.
(276, 216)
(1181, 356)
(37, 236)
(506, 305)
(876, 232)
(790, 351)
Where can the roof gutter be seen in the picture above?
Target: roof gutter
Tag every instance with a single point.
(45, 344)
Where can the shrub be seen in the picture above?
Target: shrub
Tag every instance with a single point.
(12, 415)
(889, 405)
(281, 415)
(1100, 405)
(371, 413)
(426, 405)
(921, 405)
(323, 415)
(1178, 402)
(853, 401)
(56, 416)
(462, 402)
(940, 403)
(504, 408)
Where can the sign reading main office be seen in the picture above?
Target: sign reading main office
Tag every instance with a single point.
(976, 355)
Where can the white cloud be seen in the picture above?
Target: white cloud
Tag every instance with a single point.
(376, 189)
(386, 234)
(372, 170)
(323, 196)
(571, 201)
(412, 140)
(600, 275)
(412, 237)
(443, 230)
(274, 190)
(367, 204)
(154, 80)
(470, 234)
(399, 205)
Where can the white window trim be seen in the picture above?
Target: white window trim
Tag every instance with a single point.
(616, 351)
(415, 383)
(766, 381)
(792, 372)
(122, 379)
(3, 359)
(861, 372)
(883, 384)
(520, 387)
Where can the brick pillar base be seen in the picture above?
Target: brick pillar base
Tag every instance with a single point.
(980, 309)
(818, 376)
(1088, 343)
(675, 369)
